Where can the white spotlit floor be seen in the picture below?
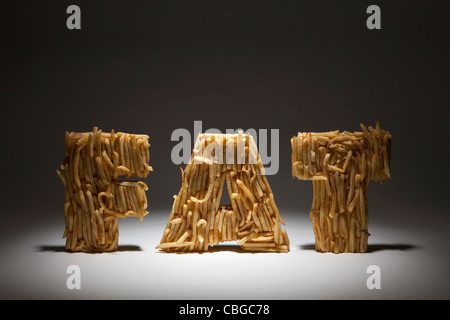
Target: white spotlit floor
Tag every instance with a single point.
(414, 264)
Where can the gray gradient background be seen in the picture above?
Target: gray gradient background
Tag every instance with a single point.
(291, 65)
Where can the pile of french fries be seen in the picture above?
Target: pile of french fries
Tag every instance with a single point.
(341, 166)
(98, 166)
(198, 220)
(94, 163)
